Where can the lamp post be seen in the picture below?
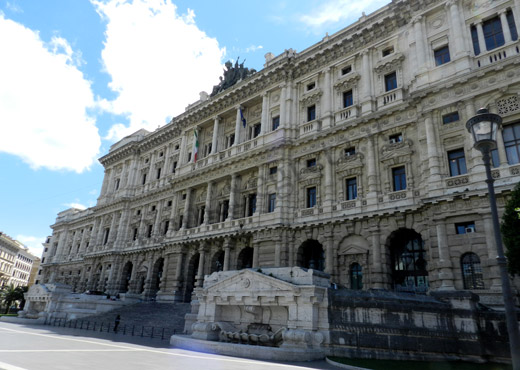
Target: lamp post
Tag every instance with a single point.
(484, 127)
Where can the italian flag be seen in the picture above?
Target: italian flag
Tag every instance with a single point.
(195, 146)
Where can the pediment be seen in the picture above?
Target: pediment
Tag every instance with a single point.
(352, 249)
(249, 281)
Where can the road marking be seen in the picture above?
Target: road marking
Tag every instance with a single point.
(5, 366)
(129, 349)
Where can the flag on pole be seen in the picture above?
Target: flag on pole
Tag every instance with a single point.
(195, 146)
(242, 117)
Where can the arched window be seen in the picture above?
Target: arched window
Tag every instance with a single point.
(408, 256)
(356, 276)
(471, 271)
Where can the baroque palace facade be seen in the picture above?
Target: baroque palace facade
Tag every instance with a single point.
(350, 157)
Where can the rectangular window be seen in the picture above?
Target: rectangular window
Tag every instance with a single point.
(399, 178)
(457, 161)
(166, 226)
(134, 237)
(311, 162)
(311, 197)
(396, 138)
(144, 179)
(257, 129)
(351, 188)
(511, 136)
(158, 173)
(311, 86)
(273, 170)
(450, 117)
(150, 229)
(225, 210)
(348, 99)
(169, 204)
(350, 151)
(276, 122)
(493, 34)
(207, 149)
(202, 211)
(252, 204)
(391, 81)
(311, 113)
(512, 25)
(442, 55)
(388, 51)
(231, 139)
(107, 233)
(474, 39)
(181, 217)
(465, 227)
(272, 203)
(117, 183)
(189, 157)
(174, 167)
(346, 70)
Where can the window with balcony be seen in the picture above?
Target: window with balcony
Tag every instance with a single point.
(391, 81)
(230, 140)
(511, 134)
(457, 162)
(311, 113)
(271, 203)
(442, 55)
(348, 99)
(311, 197)
(474, 40)
(225, 211)
(276, 122)
(256, 130)
(351, 188)
(493, 34)
(202, 210)
(252, 205)
(399, 178)
(450, 117)
(465, 227)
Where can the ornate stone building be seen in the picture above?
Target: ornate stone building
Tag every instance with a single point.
(16, 262)
(350, 157)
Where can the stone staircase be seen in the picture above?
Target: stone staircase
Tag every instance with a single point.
(169, 316)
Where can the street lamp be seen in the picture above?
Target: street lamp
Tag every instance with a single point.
(484, 127)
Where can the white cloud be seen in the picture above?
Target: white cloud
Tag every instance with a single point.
(43, 102)
(75, 205)
(333, 11)
(254, 48)
(34, 243)
(13, 7)
(158, 60)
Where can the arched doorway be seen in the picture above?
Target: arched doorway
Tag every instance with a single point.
(245, 258)
(311, 255)
(125, 277)
(193, 268)
(157, 272)
(217, 262)
(408, 259)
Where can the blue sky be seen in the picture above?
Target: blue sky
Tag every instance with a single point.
(76, 76)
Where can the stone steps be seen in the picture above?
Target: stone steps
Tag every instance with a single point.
(159, 315)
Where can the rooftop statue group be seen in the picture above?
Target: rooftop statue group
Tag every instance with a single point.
(232, 74)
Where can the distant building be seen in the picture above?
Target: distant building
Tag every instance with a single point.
(16, 262)
(349, 157)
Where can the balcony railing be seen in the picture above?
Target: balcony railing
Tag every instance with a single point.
(310, 128)
(497, 55)
(345, 114)
(390, 97)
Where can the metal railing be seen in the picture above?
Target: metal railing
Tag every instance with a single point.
(133, 330)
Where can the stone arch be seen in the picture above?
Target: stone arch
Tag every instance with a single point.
(140, 278)
(191, 277)
(311, 255)
(471, 270)
(245, 258)
(352, 249)
(408, 261)
(126, 274)
(157, 272)
(217, 262)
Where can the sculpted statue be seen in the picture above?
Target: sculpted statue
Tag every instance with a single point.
(232, 74)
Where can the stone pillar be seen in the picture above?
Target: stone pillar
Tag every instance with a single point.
(214, 141)
(256, 252)
(238, 123)
(151, 175)
(516, 13)
(112, 231)
(164, 277)
(278, 253)
(232, 196)
(122, 231)
(420, 48)
(433, 155)
(246, 208)
(105, 184)
(207, 208)
(475, 165)
(260, 193)
(200, 272)
(493, 271)
(186, 216)
(157, 222)
(173, 214)
(132, 173)
(329, 178)
(444, 263)
(227, 251)
(265, 114)
(480, 33)
(366, 82)
(183, 151)
(283, 108)
(457, 29)
(371, 164)
(329, 254)
(502, 156)
(100, 232)
(377, 270)
(505, 26)
(326, 100)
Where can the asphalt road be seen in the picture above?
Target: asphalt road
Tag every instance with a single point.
(25, 347)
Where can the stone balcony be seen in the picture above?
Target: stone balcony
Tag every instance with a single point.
(390, 98)
(507, 51)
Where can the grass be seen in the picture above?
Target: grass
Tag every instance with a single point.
(419, 365)
(9, 314)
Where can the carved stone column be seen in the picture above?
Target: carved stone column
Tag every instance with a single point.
(329, 254)
(214, 141)
(265, 114)
(505, 26)
(457, 29)
(377, 271)
(371, 164)
(329, 179)
(232, 196)
(200, 272)
(186, 216)
(207, 207)
(433, 155)
(227, 251)
(283, 110)
(480, 33)
(260, 192)
(444, 263)
(420, 47)
(366, 82)
(326, 100)
(256, 252)
(238, 122)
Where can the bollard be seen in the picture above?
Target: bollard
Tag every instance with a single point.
(162, 335)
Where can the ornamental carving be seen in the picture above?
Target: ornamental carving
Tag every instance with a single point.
(348, 81)
(508, 105)
(389, 63)
(311, 97)
(314, 170)
(459, 181)
(402, 148)
(355, 160)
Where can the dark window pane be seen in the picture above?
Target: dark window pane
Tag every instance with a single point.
(474, 39)
(442, 55)
(399, 178)
(457, 161)
(348, 100)
(351, 185)
(493, 34)
(311, 197)
(311, 113)
(494, 158)
(512, 25)
(276, 122)
(450, 117)
(391, 81)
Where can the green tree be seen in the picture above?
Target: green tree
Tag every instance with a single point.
(9, 294)
(510, 228)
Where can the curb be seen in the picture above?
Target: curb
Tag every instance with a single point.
(343, 366)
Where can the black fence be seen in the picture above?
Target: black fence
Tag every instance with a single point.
(153, 332)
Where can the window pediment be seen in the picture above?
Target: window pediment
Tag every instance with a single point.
(350, 161)
(348, 81)
(389, 63)
(309, 171)
(401, 149)
(311, 97)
